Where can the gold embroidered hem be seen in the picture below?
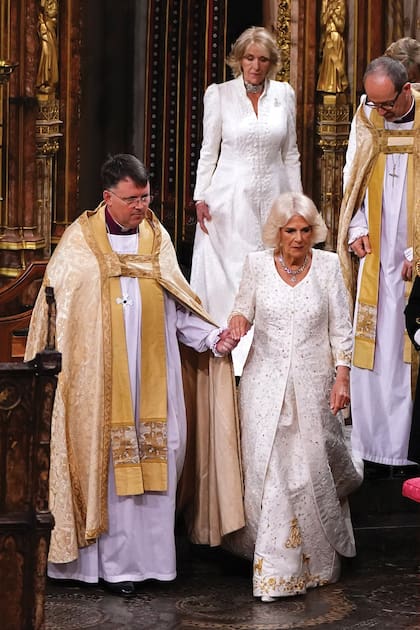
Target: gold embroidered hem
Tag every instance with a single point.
(281, 586)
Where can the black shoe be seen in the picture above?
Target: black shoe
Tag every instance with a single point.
(123, 589)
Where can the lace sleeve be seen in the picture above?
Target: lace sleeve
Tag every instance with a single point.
(245, 298)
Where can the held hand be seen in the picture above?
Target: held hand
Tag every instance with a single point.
(361, 246)
(203, 213)
(226, 342)
(340, 393)
(239, 326)
(407, 270)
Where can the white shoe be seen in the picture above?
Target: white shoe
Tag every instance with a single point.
(267, 598)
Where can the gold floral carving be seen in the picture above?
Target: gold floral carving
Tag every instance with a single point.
(283, 38)
(333, 124)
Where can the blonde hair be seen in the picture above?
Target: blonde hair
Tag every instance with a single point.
(285, 207)
(407, 51)
(254, 35)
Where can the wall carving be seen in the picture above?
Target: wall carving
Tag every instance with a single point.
(283, 35)
(48, 124)
(186, 46)
(37, 108)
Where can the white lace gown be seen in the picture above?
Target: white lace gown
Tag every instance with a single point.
(297, 468)
(245, 162)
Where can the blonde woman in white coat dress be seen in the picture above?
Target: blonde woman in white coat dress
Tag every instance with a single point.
(297, 468)
(248, 156)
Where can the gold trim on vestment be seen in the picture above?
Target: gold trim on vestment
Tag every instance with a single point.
(366, 178)
(131, 456)
(365, 325)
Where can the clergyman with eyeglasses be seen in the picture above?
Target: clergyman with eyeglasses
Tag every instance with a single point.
(119, 421)
(377, 221)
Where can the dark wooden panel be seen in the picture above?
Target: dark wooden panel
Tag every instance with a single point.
(26, 400)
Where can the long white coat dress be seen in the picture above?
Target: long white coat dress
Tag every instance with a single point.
(245, 162)
(297, 469)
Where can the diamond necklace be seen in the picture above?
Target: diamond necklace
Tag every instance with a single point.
(253, 89)
(293, 272)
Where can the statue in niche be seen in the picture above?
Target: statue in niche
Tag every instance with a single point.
(47, 77)
(332, 74)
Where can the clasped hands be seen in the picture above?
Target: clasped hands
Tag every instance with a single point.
(226, 342)
(230, 337)
(361, 247)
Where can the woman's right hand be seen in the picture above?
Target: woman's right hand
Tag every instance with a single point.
(203, 212)
(238, 326)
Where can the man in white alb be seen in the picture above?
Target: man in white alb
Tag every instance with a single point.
(377, 223)
(119, 422)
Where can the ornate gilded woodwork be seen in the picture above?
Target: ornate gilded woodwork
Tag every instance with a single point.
(283, 36)
(333, 124)
(333, 112)
(48, 123)
(18, 238)
(41, 105)
(186, 46)
(332, 74)
(48, 137)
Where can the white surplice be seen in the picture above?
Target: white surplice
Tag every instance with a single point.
(140, 543)
(246, 161)
(381, 404)
(297, 469)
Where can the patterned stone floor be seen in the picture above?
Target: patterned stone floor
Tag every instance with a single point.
(380, 589)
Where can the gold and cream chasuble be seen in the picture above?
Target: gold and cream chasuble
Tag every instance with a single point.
(93, 404)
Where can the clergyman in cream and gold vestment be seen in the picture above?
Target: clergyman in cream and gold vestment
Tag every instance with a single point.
(119, 434)
(381, 199)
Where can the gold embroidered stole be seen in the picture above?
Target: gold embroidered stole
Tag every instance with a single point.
(140, 462)
(390, 141)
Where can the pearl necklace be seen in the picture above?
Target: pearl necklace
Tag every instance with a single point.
(253, 89)
(293, 272)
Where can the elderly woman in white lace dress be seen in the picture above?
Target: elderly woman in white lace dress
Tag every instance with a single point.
(297, 468)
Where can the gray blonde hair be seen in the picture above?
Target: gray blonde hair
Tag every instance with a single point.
(406, 50)
(285, 207)
(254, 35)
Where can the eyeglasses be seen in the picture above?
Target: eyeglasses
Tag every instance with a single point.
(387, 105)
(133, 201)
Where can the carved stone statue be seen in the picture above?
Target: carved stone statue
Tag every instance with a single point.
(47, 77)
(332, 75)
